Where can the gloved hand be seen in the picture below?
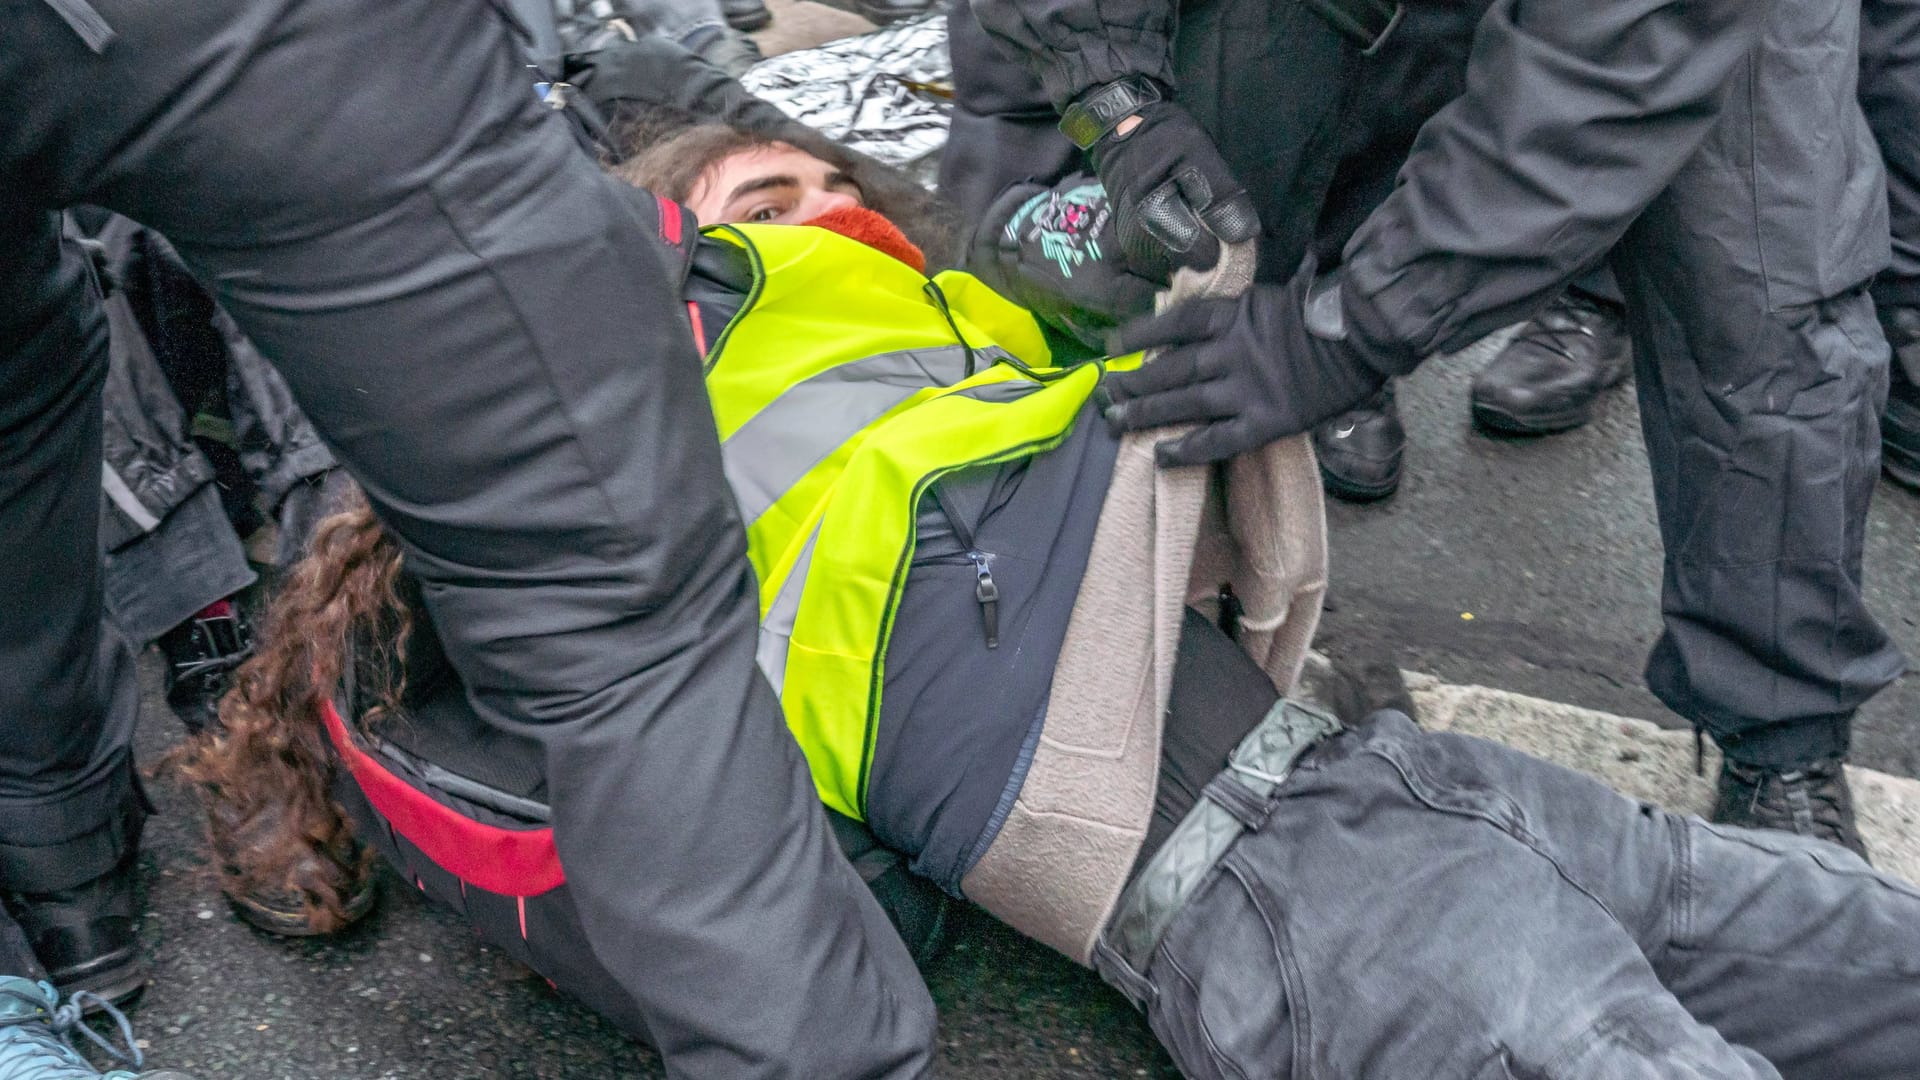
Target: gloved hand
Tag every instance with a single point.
(1175, 199)
(1249, 370)
(1053, 252)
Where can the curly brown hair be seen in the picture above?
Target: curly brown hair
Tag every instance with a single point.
(265, 774)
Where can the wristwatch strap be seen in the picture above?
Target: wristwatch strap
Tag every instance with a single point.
(1099, 111)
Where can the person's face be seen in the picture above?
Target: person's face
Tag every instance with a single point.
(771, 184)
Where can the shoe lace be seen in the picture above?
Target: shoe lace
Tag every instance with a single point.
(1564, 320)
(1799, 798)
(45, 1051)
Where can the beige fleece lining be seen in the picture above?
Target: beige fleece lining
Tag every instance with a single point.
(1166, 537)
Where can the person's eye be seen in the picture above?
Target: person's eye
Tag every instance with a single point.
(764, 214)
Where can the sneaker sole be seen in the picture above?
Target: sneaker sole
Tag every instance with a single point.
(294, 923)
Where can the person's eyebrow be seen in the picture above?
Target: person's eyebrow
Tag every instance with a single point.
(762, 183)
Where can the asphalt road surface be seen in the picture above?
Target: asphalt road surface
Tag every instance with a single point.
(1549, 545)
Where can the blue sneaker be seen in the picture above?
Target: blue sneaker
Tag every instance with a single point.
(36, 1036)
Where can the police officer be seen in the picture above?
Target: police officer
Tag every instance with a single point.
(1714, 147)
(486, 330)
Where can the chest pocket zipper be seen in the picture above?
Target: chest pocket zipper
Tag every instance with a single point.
(988, 594)
(985, 591)
(80, 16)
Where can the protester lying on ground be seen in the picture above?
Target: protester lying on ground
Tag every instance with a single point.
(1001, 637)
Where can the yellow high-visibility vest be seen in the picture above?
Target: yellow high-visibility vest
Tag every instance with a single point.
(846, 385)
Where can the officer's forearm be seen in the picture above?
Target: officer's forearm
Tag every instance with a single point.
(1072, 46)
(1576, 116)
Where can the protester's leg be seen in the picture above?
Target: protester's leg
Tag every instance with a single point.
(488, 331)
(1761, 376)
(1781, 943)
(1396, 913)
(70, 812)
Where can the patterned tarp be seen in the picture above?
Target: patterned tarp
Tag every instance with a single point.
(885, 94)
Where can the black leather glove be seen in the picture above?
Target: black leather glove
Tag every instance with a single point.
(1175, 199)
(1248, 370)
(1053, 252)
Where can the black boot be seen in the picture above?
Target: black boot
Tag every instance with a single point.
(1813, 800)
(746, 16)
(1360, 451)
(201, 653)
(87, 937)
(1554, 369)
(883, 12)
(1900, 424)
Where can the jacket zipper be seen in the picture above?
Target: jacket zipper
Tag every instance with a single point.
(985, 591)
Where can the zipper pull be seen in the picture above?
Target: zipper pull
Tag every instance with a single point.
(985, 591)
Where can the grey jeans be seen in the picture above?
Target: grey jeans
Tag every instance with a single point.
(1437, 906)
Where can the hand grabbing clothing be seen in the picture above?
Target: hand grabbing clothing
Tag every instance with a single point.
(1273, 362)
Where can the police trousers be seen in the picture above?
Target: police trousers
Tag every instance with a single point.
(1890, 96)
(488, 333)
(1761, 369)
(1434, 905)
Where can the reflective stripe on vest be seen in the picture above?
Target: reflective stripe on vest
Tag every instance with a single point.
(842, 390)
